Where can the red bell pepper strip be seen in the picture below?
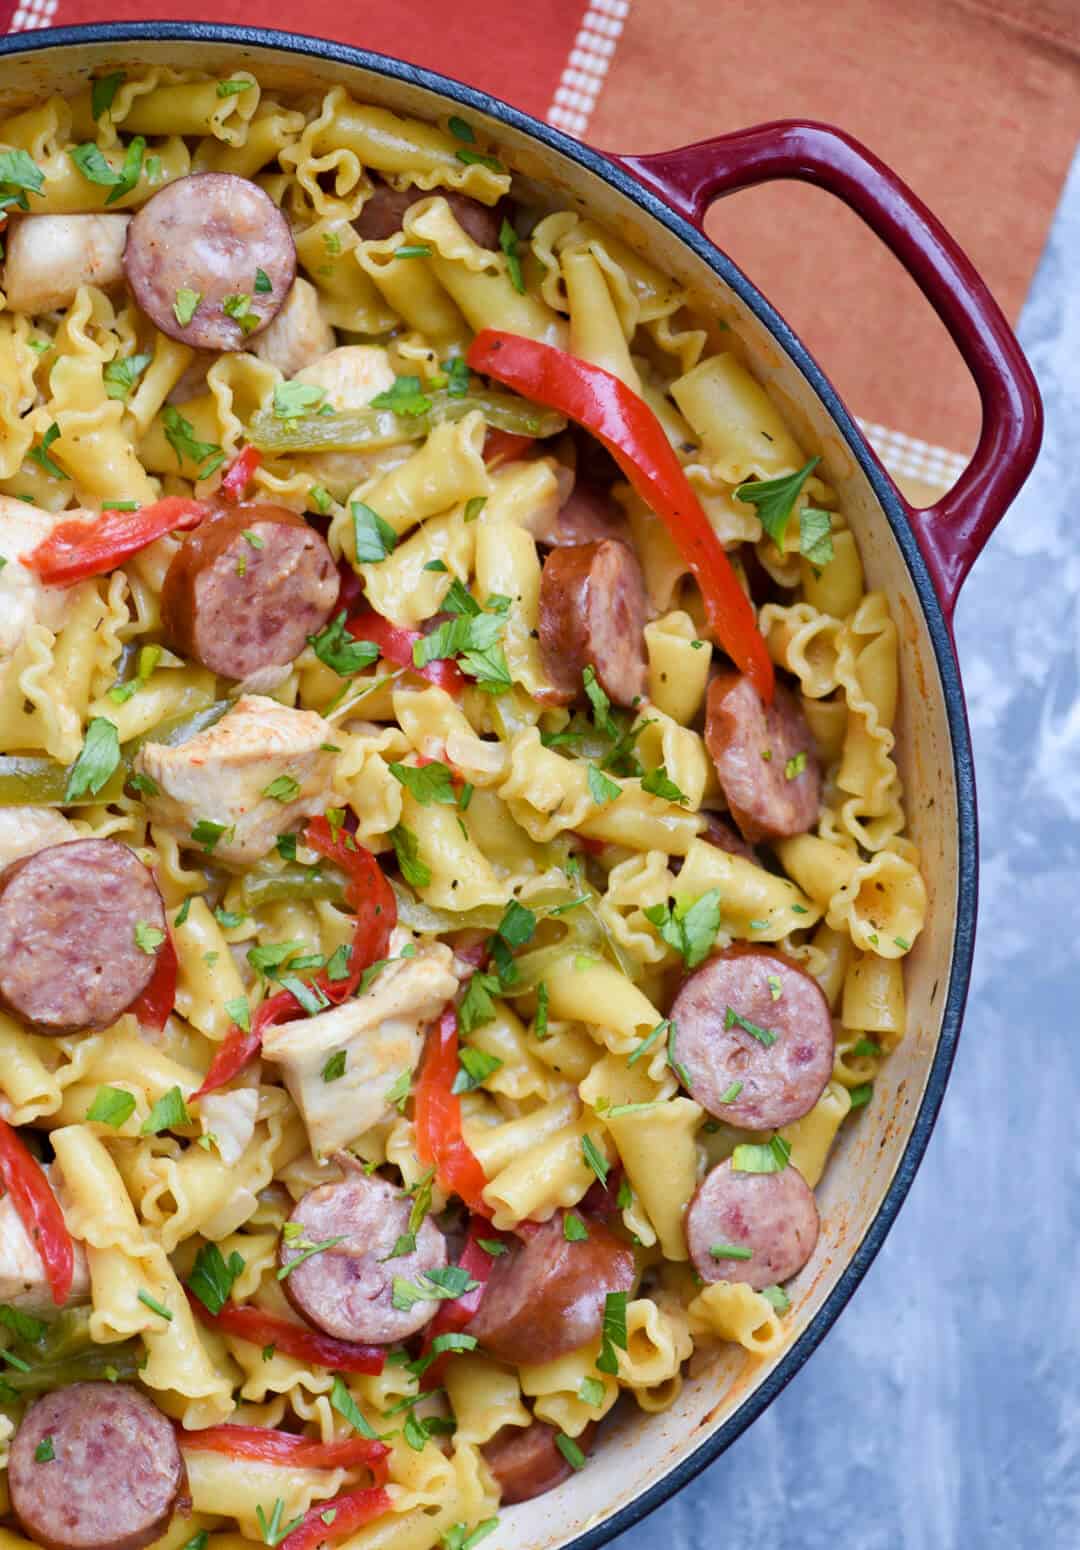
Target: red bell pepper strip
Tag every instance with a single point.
(239, 474)
(77, 549)
(603, 405)
(266, 1329)
(439, 1139)
(505, 446)
(396, 645)
(241, 1045)
(152, 1008)
(336, 1518)
(274, 1447)
(371, 899)
(367, 894)
(39, 1211)
(454, 1316)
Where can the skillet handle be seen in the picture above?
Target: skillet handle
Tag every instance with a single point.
(952, 532)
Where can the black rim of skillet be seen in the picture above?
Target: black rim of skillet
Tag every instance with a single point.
(967, 868)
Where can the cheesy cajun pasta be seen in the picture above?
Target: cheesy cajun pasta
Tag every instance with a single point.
(454, 877)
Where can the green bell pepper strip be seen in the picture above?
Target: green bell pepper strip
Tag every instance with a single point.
(369, 430)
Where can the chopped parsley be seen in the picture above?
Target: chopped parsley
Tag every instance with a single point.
(595, 1158)
(155, 1306)
(407, 850)
(336, 649)
(777, 1297)
(768, 1157)
(689, 929)
(96, 763)
(508, 241)
(292, 399)
(658, 784)
(405, 397)
(282, 789)
(111, 1106)
(40, 453)
(815, 537)
(574, 1229)
(121, 376)
(733, 1019)
(148, 938)
(647, 1042)
(475, 1066)
(208, 834)
(428, 783)
(730, 1251)
(775, 499)
(345, 1405)
(168, 1113)
(447, 1284)
(334, 1067)
(185, 305)
(374, 538)
(180, 434)
(570, 1450)
(211, 1281)
(613, 1333)
(103, 91)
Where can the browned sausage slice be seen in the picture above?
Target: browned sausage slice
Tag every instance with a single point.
(764, 757)
(546, 1296)
(587, 516)
(209, 234)
(113, 1475)
(592, 614)
(723, 836)
(384, 212)
(526, 1461)
(347, 1290)
(774, 1215)
(757, 1080)
(70, 954)
(246, 589)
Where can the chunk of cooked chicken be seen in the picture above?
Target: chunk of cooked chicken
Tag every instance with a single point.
(24, 598)
(23, 1282)
(50, 256)
(299, 335)
(257, 773)
(351, 375)
(379, 1034)
(26, 830)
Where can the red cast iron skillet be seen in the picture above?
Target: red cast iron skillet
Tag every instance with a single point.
(939, 544)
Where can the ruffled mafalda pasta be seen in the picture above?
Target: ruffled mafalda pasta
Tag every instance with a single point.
(432, 877)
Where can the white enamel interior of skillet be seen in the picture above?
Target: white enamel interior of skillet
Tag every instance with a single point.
(639, 1450)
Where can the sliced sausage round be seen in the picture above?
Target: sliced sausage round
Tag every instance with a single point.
(210, 235)
(384, 212)
(246, 589)
(724, 837)
(347, 1290)
(587, 516)
(774, 1215)
(546, 1296)
(764, 757)
(526, 1461)
(81, 926)
(113, 1474)
(592, 614)
(755, 1036)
